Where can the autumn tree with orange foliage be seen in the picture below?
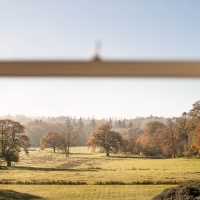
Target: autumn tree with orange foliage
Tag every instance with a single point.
(193, 127)
(151, 142)
(161, 140)
(51, 139)
(129, 144)
(12, 139)
(197, 137)
(105, 138)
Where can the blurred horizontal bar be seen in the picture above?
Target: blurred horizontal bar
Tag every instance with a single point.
(101, 68)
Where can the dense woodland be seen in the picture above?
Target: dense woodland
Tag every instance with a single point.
(37, 126)
(144, 136)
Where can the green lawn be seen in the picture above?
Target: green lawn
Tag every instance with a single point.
(93, 168)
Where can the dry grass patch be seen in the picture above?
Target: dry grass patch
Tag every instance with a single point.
(82, 166)
(89, 192)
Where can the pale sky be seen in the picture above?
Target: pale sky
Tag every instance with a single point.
(128, 29)
(98, 97)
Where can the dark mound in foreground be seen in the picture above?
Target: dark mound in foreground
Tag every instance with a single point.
(189, 190)
(13, 195)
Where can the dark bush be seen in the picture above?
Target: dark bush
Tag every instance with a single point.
(189, 190)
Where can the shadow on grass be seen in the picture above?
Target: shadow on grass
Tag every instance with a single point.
(141, 157)
(12, 195)
(48, 169)
(78, 153)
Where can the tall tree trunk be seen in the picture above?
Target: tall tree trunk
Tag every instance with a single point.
(173, 145)
(186, 142)
(186, 145)
(174, 153)
(8, 163)
(54, 149)
(67, 152)
(65, 148)
(68, 142)
(68, 149)
(107, 152)
(172, 136)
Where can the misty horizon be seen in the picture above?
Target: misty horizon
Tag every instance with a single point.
(98, 98)
(10, 116)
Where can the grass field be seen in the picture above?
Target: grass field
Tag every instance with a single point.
(89, 168)
(89, 192)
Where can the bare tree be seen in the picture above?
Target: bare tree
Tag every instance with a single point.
(172, 130)
(69, 138)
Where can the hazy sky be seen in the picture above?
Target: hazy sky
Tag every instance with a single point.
(128, 29)
(98, 97)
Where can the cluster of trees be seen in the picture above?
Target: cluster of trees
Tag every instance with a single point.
(180, 136)
(36, 128)
(150, 136)
(177, 137)
(63, 139)
(114, 122)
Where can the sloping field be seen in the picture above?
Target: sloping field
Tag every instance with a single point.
(88, 192)
(82, 166)
(85, 175)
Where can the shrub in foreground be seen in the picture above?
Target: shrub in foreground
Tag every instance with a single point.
(188, 190)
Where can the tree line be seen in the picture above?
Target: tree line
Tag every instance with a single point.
(35, 129)
(63, 139)
(171, 137)
(175, 137)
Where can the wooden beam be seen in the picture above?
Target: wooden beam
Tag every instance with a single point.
(101, 68)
